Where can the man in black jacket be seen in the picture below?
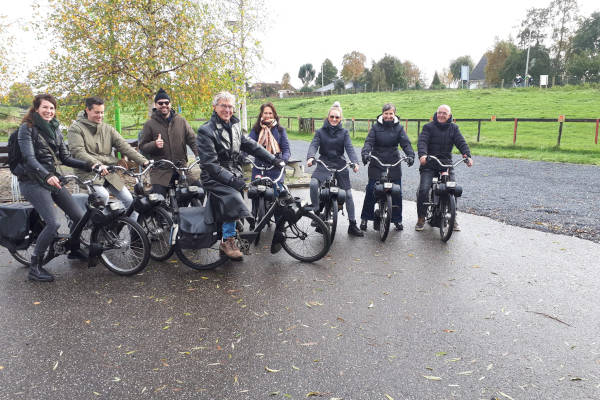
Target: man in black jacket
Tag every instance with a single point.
(220, 143)
(437, 139)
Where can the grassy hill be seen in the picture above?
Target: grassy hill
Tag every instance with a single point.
(536, 141)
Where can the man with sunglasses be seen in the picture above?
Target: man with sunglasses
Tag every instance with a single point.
(166, 135)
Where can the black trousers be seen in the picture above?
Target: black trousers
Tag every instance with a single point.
(427, 175)
(43, 201)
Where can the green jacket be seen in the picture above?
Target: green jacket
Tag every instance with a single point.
(98, 147)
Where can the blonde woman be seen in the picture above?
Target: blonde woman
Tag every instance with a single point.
(331, 141)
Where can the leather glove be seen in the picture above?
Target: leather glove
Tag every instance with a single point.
(278, 162)
(237, 183)
(410, 161)
(366, 158)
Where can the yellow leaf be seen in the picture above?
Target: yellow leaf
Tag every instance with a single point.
(271, 370)
(387, 396)
(131, 352)
(116, 379)
(432, 378)
(166, 327)
(55, 365)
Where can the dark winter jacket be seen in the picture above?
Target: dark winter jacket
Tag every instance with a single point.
(176, 133)
(280, 136)
(220, 146)
(37, 162)
(437, 139)
(382, 142)
(331, 142)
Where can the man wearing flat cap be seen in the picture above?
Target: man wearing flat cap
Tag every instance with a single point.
(165, 136)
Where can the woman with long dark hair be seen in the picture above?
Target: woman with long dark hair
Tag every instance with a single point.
(269, 134)
(42, 152)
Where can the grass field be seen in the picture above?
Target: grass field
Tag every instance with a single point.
(535, 141)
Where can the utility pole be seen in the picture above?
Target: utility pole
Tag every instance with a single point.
(527, 67)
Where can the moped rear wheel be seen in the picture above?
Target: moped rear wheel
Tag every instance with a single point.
(126, 248)
(448, 215)
(385, 209)
(307, 239)
(24, 256)
(201, 259)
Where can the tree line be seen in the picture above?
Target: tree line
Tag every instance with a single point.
(125, 50)
(560, 42)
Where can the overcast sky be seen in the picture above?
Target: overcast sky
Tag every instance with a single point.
(428, 33)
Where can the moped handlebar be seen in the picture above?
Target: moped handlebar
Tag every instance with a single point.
(388, 165)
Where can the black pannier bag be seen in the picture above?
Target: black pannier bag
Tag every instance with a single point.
(194, 232)
(15, 221)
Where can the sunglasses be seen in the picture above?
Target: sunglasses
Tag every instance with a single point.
(163, 103)
(334, 117)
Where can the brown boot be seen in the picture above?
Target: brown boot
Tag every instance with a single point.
(420, 224)
(230, 249)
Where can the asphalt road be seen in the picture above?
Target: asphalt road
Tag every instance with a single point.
(497, 312)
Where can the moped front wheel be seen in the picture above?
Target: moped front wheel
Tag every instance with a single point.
(331, 218)
(448, 215)
(126, 248)
(385, 210)
(307, 239)
(157, 223)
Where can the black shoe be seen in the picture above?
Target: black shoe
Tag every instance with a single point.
(37, 272)
(363, 225)
(78, 254)
(399, 226)
(376, 224)
(354, 231)
(276, 244)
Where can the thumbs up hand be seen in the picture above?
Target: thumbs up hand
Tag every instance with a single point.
(159, 142)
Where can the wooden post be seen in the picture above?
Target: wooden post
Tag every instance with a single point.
(515, 132)
(289, 123)
(559, 133)
(353, 130)
(478, 130)
(597, 123)
(406, 126)
(418, 128)
(312, 125)
(368, 125)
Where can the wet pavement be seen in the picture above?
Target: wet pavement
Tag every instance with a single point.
(497, 312)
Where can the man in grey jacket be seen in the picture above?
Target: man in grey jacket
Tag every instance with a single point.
(92, 140)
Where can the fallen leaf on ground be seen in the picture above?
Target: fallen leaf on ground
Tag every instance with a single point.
(432, 378)
(271, 370)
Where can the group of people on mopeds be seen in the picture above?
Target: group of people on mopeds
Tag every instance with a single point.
(220, 145)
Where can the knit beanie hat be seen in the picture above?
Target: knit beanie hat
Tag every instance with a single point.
(160, 95)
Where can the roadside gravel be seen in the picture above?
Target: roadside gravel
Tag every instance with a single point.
(552, 197)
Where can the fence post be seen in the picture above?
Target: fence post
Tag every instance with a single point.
(353, 130)
(515, 132)
(559, 134)
(418, 128)
(368, 125)
(597, 123)
(406, 126)
(289, 123)
(478, 130)
(312, 125)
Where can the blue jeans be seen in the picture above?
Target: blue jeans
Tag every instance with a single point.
(368, 209)
(228, 230)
